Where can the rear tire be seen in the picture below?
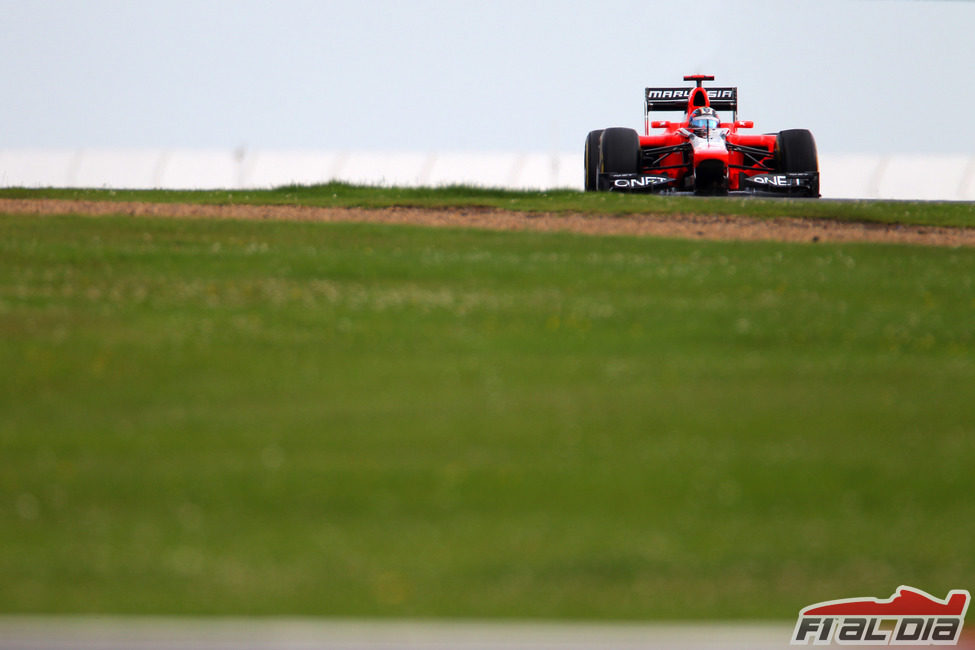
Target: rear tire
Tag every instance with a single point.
(591, 160)
(619, 151)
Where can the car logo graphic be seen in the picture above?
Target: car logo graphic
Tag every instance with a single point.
(909, 617)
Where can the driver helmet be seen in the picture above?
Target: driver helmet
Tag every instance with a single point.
(702, 119)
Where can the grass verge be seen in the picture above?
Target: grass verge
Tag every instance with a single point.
(360, 420)
(924, 213)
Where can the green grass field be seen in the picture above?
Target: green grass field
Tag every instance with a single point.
(218, 417)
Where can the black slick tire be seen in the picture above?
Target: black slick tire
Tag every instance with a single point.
(591, 160)
(795, 152)
(619, 151)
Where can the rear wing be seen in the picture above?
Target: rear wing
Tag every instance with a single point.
(675, 99)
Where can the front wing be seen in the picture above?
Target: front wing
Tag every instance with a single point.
(775, 184)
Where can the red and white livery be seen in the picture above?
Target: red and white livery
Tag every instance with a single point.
(700, 154)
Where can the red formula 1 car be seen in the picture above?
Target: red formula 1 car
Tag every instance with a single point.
(701, 154)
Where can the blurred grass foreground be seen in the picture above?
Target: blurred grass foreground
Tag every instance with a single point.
(356, 420)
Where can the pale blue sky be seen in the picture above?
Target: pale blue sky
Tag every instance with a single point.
(873, 76)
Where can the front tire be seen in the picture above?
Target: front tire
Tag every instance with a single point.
(619, 151)
(591, 160)
(795, 152)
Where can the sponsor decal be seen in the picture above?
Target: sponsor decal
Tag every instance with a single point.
(909, 617)
(776, 180)
(721, 94)
(684, 93)
(639, 182)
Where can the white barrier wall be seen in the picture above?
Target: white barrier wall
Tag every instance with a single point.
(928, 177)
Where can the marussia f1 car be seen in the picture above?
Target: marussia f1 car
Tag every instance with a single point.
(701, 154)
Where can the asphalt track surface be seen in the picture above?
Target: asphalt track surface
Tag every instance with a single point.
(121, 633)
(98, 633)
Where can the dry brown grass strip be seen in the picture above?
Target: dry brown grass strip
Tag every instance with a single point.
(681, 226)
